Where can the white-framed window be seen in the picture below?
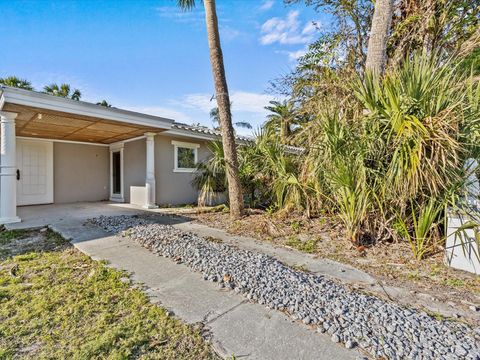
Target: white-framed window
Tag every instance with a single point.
(185, 156)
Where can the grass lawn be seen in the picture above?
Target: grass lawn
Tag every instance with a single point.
(56, 303)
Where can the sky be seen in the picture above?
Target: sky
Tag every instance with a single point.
(151, 57)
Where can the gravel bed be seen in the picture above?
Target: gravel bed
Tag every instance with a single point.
(382, 329)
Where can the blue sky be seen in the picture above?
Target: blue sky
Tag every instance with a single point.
(149, 56)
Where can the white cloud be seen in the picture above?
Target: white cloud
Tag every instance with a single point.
(295, 55)
(287, 31)
(196, 17)
(198, 101)
(267, 5)
(159, 111)
(227, 33)
(40, 79)
(89, 92)
(242, 101)
(310, 28)
(250, 102)
(193, 16)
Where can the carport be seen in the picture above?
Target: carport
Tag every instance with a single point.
(33, 124)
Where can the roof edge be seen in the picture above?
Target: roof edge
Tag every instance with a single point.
(56, 103)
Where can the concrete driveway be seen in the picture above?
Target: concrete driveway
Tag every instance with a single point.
(236, 326)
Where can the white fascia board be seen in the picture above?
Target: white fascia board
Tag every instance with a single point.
(129, 140)
(50, 102)
(185, 144)
(193, 135)
(2, 100)
(63, 141)
(116, 146)
(190, 134)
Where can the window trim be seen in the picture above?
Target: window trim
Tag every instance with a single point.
(188, 145)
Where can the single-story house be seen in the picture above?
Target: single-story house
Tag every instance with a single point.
(58, 150)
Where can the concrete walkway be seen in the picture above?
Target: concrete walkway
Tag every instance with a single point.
(237, 327)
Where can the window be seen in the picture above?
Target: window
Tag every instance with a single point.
(116, 172)
(185, 156)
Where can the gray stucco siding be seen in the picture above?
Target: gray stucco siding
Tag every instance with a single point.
(134, 162)
(80, 172)
(174, 188)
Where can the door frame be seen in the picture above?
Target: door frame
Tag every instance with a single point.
(49, 172)
(113, 149)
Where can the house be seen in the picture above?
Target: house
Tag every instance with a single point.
(57, 150)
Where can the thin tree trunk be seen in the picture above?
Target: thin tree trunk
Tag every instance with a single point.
(225, 116)
(377, 42)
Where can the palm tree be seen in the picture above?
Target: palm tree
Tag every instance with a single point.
(377, 42)
(281, 119)
(62, 91)
(216, 120)
(14, 81)
(223, 100)
(104, 103)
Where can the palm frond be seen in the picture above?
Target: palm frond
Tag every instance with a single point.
(186, 5)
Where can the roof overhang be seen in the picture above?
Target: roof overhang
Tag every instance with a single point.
(202, 133)
(191, 134)
(47, 116)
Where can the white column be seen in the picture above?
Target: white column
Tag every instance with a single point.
(8, 169)
(150, 175)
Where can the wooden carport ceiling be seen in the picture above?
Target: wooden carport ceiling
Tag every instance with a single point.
(41, 123)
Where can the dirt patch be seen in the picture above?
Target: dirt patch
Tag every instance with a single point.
(17, 242)
(392, 263)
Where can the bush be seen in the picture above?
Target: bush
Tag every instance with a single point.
(387, 160)
(390, 170)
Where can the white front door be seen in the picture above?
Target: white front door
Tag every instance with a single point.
(35, 172)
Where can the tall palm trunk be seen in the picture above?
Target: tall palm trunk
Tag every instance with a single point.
(225, 116)
(377, 43)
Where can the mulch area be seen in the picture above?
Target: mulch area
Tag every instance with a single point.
(393, 263)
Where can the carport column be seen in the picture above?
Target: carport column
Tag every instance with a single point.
(150, 176)
(8, 169)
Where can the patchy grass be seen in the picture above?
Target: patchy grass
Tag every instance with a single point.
(179, 206)
(454, 282)
(296, 226)
(60, 304)
(308, 246)
(222, 208)
(7, 236)
(300, 267)
(16, 242)
(213, 239)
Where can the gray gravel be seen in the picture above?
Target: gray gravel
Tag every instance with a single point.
(354, 319)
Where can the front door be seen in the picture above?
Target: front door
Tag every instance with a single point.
(34, 172)
(116, 173)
